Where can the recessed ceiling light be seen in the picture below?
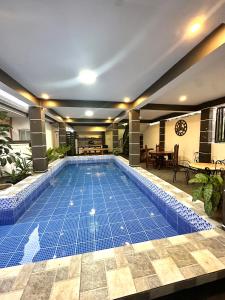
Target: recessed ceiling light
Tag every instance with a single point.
(126, 99)
(45, 96)
(182, 98)
(195, 26)
(89, 113)
(109, 118)
(87, 76)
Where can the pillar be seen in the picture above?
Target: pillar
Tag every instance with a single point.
(206, 134)
(62, 134)
(38, 139)
(103, 137)
(115, 135)
(134, 138)
(162, 135)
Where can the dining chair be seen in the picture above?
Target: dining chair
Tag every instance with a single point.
(173, 161)
(150, 160)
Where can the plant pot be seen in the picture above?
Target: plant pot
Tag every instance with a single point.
(5, 186)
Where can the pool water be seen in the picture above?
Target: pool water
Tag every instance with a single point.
(87, 207)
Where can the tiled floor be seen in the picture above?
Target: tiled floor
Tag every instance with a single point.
(87, 207)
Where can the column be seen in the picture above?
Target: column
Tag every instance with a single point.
(115, 135)
(62, 134)
(103, 137)
(162, 135)
(206, 134)
(134, 138)
(38, 139)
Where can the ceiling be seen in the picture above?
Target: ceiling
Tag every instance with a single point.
(129, 43)
(79, 112)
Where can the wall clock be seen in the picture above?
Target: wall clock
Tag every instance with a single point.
(181, 127)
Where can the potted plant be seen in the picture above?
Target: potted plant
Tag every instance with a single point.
(23, 169)
(209, 189)
(116, 151)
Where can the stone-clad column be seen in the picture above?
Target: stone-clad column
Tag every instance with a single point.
(134, 138)
(62, 134)
(103, 137)
(162, 135)
(206, 134)
(115, 135)
(38, 138)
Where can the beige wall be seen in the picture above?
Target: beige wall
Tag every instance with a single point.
(19, 123)
(188, 143)
(49, 130)
(218, 151)
(108, 140)
(151, 135)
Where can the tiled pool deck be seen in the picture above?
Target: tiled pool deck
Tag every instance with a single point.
(152, 268)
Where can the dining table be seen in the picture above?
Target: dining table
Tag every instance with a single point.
(208, 167)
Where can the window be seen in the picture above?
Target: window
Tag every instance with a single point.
(220, 125)
(24, 134)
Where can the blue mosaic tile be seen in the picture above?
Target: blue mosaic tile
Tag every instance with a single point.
(82, 205)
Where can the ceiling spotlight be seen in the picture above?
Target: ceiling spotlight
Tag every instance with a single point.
(182, 98)
(126, 99)
(109, 118)
(45, 96)
(89, 113)
(195, 26)
(87, 77)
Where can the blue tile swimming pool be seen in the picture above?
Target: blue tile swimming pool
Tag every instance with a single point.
(86, 207)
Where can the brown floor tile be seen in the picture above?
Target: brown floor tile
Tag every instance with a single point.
(39, 286)
(93, 276)
(39, 267)
(181, 256)
(120, 283)
(110, 264)
(146, 283)
(192, 271)
(75, 266)
(62, 273)
(207, 260)
(140, 265)
(214, 246)
(66, 289)
(7, 284)
(15, 295)
(23, 277)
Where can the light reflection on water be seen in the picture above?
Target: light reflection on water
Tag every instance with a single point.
(32, 247)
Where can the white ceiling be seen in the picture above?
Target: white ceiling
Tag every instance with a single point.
(152, 114)
(203, 82)
(79, 112)
(130, 43)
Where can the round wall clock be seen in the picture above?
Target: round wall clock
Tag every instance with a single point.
(181, 127)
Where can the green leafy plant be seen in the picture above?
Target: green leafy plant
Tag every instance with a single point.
(209, 189)
(23, 169)
(6, 153)
(62, 150)
(51, 155)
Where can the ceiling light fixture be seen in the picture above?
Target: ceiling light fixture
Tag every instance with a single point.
(195, 26)
(109, 118)
(45, 96)
(89, 113)
(126, 99)
(7, 96)
(182, 98)
(87, 76)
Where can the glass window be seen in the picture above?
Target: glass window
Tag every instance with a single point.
(220, 125)
(24, 135)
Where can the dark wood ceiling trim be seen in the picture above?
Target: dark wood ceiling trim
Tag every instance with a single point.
(16, 86)
(211, 103)
(84, 103)
(214, 40)
(169, 107)
(83, 120)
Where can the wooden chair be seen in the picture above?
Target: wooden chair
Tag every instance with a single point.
(173, 162)
(150, 160)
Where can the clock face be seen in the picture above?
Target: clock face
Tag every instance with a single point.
(181, 127)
